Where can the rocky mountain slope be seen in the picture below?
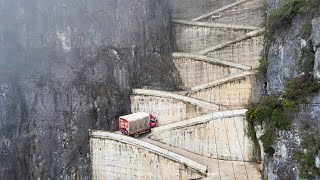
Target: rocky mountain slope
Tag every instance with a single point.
(67, 67)
(292, 57)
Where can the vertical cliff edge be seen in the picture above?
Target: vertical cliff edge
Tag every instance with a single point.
(288, 116)
(69, 66)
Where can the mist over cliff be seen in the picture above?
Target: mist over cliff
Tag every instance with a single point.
(69, 66)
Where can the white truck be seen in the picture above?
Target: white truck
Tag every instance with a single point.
(137, 123)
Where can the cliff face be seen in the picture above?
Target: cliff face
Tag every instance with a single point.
(287, 48)
(67, 67)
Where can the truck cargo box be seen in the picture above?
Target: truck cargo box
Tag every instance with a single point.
(135, 122)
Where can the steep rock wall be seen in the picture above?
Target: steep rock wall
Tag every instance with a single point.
(69, 66)
(284, 50)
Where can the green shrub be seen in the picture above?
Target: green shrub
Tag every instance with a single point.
(301, 87)
(275, 112)
(289, 105)
(251, 132)
(306, 62)
(259, 113)
(262, 111)
(280, 120)
(307, 167)
(262, 70)
(272, 111)
(286, 12)
(251, 118)
(268, 138)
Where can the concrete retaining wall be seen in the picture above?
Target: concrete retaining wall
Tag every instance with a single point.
(168, 107)
(250, 12)
(116, 156)
(193, 38)
(247, 52)
(195, 72)
(188, 9)
(218, 135)
(236, 92)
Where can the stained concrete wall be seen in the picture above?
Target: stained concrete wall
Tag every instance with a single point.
(193, 38)
(168, 107)
(195, 72)
(189, 9)
(247, 12)
(232, 93)
(247, 52)
(116, 156)
(218, 135)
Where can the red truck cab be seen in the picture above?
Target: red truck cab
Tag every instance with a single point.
(137, 123)
(153, 121)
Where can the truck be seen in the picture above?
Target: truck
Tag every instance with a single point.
(137, 123)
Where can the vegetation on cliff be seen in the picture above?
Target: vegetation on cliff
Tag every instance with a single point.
(285, 13)
(278, 112)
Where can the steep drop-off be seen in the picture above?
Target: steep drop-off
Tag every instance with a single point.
(67, 67)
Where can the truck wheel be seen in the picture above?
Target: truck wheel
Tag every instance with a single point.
(136, 135)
